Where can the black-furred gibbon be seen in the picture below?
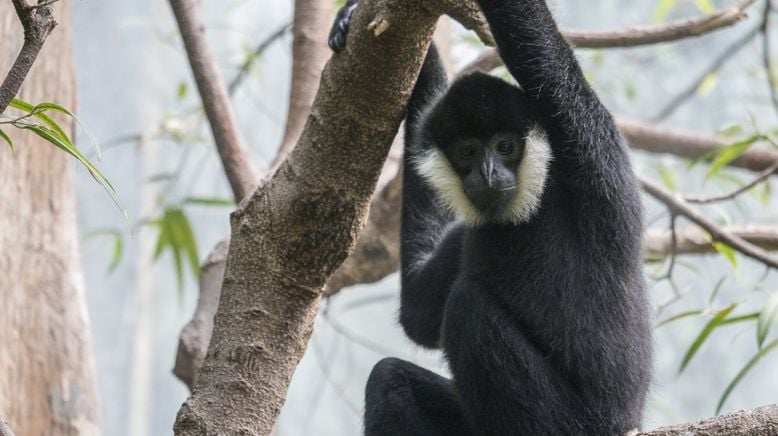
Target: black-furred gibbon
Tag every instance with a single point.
(521, 249)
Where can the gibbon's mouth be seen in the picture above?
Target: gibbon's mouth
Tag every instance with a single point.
(493, 201)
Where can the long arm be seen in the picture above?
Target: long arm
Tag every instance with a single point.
(431, 246)
(590, 159)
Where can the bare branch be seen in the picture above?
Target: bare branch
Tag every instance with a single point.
(692, 240)
(767, 61)
(677, 205)
(657, 139)
(261, 47)
(634, 36)
(234, 155)
(646, 35)
(761, 421)
(37, 22)
(763, 176)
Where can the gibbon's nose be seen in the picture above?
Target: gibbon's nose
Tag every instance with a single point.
(487, 171)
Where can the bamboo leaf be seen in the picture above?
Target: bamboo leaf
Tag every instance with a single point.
(8, 140)
(730, 153)
(759, 356)
(680, 316)
(57, 108)
(208, 201)
(728, 252)
(706, 331)
(767, 317)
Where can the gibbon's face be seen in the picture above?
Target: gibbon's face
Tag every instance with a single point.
(488, 169)
(483, 153)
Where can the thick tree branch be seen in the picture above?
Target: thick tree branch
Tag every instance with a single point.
(677, 205)
(295, 230)
(692, 240)
(656, 139)
(37, 22)
(234, 155)
(760, 421)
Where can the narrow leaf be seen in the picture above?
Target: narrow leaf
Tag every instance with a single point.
(680, 316)
(728, 252)
(730, 153)
(208, 201)
(8, 140)
(759, 356)
(767, 317)
(706, 331)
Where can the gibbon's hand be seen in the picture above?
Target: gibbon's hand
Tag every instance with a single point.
(339, 31)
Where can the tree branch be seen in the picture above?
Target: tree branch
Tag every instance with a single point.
(760, 421)
(635, 36)
(261, 47)
(677, 205)
(295, 230)
(37, 22)
(234, 155)
(692, 240)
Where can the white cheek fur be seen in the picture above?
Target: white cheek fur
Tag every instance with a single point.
(435, 168)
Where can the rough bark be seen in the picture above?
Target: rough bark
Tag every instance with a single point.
(762, 421)
(295, 230)
(692, 240)
(47, 378)
(196, 334)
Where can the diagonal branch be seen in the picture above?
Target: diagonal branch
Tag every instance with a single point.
(677, 205)
(234, 155)
(38, 22)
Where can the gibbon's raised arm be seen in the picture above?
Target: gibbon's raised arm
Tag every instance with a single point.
(430, 248)
(580, 129)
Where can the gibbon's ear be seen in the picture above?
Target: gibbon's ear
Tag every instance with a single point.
(433, 166)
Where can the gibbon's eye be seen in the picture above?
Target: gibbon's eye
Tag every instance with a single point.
(466, 152)
(504, 147)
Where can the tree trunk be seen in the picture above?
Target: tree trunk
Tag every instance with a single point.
(47, 378)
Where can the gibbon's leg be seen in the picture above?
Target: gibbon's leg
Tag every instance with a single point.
(403, 399)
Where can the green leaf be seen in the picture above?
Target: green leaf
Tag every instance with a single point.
(118, 244)
(663, 9)
(730, 153)
(767, 317)
(181, 91)
(209, 201)
(708, 85)
(705, 6)
(57, 108)
(177, 237)
(731, 130)
(716, 289)
(38, 113)
(753, 316)
(667, 177)
(759, 356)
(728, 252)
(8, 140)
(680, 316)
(706, 331)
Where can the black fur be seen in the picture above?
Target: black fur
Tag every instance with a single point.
(545, 323)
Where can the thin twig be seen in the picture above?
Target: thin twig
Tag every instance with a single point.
(634, 36)
(764, 175)
(721, 60)
(38, 22)
(261, 47)
(677, 205)
(766, 59)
